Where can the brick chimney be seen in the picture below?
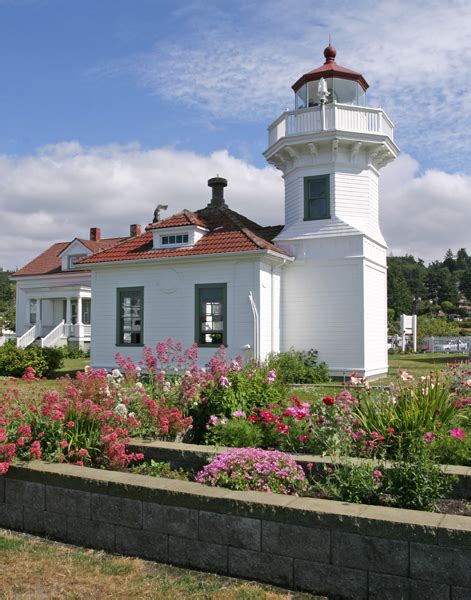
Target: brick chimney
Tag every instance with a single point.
(134, 230)
(217, 184)
(95, 234)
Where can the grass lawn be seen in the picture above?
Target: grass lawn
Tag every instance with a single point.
(36, 568)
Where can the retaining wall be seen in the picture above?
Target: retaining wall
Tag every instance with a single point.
(337, 549)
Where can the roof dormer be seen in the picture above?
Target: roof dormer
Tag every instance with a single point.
(72, 253)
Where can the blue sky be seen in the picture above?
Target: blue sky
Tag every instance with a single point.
(105, 104)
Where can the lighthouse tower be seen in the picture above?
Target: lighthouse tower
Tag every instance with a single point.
(331, 148)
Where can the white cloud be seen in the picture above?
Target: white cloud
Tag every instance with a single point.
(64, 189)
(424, 214)
(240, 64)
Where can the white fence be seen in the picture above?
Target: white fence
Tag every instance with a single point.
(446, 344)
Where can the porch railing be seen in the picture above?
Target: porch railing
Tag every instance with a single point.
(53, 336)
(29, 336)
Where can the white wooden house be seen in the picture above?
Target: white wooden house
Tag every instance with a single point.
(53, 297)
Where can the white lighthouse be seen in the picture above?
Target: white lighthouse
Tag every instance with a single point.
(330, 149)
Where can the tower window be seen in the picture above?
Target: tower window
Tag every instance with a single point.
(316, 198)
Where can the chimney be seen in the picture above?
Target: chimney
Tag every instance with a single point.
(134, 230)
(217, 184)
(95, 234)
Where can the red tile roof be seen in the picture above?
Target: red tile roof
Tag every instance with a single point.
(228, 232)
(49, 262)
(180, 219)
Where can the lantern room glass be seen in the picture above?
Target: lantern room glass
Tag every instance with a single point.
(341, 91)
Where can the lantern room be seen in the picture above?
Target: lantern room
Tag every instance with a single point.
(330, 83)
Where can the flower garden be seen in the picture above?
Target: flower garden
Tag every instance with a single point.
(404, 432)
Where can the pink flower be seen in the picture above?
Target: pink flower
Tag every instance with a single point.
(224, 382)
(63, 444)
(70, 424)
(3, 468)
(457, 433)
(377, 474)
(429, 436)
(282, 428)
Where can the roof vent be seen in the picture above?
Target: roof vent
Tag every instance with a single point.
(95, 234)
(217, 184)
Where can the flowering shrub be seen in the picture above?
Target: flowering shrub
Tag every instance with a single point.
(295, 366)
(255, 469)
(349, 482)
(89, 423)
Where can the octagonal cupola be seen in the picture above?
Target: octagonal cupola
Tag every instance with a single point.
(330, 83)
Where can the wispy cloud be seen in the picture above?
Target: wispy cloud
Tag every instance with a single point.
(239, 64)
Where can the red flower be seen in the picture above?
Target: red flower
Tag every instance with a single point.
(282, 428)
(328, 401)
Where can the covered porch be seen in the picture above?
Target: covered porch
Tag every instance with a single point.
(57, 318)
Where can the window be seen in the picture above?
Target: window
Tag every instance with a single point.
(74, 311)
(316, 198)
(130, 316)
(174, 240)
(72, 259)
(33, 312)
(211, 320)
(86, 310)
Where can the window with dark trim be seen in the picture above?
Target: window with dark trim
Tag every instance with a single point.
(211, 314)
(173, 240)
(130, 316)
(316, 198)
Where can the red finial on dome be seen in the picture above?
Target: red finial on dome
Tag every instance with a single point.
(330, 53)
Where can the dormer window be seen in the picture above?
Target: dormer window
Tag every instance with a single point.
(174, 240)
(73, 258)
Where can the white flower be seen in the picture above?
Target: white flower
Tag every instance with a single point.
(166, 387)
(87, 369)
(116, 373)
(139, 385)
(121, 410)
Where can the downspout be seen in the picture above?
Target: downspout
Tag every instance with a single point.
(256, 329)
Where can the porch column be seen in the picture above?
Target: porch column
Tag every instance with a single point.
(68, 312)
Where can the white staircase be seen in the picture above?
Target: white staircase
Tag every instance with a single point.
(29, 336)
(50, 340)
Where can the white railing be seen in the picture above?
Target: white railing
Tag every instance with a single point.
(29, 336)
(447, 344)
(53, 336)
(344, 117)
(3, 340)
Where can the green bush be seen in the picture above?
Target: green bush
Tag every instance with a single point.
(235, 433)
(73, 352)
(160, 469)
(416, 481)
(359, 483)
(14, 361)
(298, 366)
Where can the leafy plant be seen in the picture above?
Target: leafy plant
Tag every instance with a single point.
(160, 469)
(359, 483)
(298, 366)
(416, 481)
(234, 433)
(14, 361)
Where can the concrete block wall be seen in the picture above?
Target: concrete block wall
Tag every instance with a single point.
(320, 546)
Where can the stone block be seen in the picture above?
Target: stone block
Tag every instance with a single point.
(146, 544)
(330, 580)
(41, 522)
(2, 489)
(296, 541)
(120, 511)
(69, 502)
(230, 531)
(262, 566)
(460, 593)
(391, 587)
(440, 563)
(25, 493)
(370, 553)
(182, 522)
(85, 532)
(200, 555)
(11, 516)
